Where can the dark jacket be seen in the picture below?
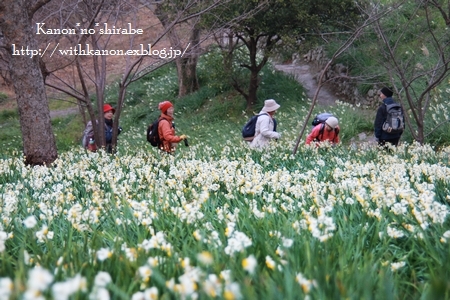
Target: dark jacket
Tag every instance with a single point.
(380, 119)
(109, 131)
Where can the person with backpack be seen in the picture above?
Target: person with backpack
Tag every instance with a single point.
(166, 130)
(265, 126)
(389, 121)
(327, 130)
(88, 134)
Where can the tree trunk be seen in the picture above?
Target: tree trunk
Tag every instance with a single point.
(255, 68)
(39, 145)
(187, 67)
(252, 88)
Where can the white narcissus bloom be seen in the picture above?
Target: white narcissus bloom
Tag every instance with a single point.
(205, 258)
(99, 293)
(44, 234)
(232, 291)
(445, 236)
(197, 235)
(226, 275)
(270, 263)
(170, 284)
(151, 293)
(394, 232)
(397, 265)
(103, 254)
(249, 264)
(30, 222)
(3, 238)
(102, 279)
(153, 261)
(305, 283)
(39, 279)
(212, 285)
(145, 272)
(138, 296)
(63, 290)
(26, 257)
(287, 243)
(6, 288)
(349, 200)
(237, 242)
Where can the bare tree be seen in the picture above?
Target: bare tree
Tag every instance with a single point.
(22, 51)
(99, 51)
(118, 14)
(186, 65)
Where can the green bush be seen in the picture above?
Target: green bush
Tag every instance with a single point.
(3, 97)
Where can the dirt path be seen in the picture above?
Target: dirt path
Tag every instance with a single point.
(302, 74)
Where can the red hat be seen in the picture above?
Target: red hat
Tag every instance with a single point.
(164, 106)
(107, 107)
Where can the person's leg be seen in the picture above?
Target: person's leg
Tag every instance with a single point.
(381, 143)
(393, 141)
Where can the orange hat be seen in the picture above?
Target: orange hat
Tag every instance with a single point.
(164, 106)
(107, 107)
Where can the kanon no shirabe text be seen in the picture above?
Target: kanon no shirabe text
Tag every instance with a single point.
(106, 29)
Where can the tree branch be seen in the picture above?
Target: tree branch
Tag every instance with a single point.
(38, 4)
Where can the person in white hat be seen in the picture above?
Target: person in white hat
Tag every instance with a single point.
(327, 131)
(265, 125)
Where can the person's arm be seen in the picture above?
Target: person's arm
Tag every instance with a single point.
(88, 133)
(265, 130)
(336, 139)
(313, 134)
(378, 124)
(167, 132)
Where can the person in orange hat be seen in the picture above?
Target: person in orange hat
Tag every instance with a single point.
(166, 130)
(108, 113)
(88, 136)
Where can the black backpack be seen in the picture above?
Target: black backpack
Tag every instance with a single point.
(321, 118)
(394, 119)
(152, 134)
(248, 131)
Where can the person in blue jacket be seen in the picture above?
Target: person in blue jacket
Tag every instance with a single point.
(382, 136)
(88, 135)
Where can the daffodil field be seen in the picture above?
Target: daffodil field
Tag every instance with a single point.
(327, 223)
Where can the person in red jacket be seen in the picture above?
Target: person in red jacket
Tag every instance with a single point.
(166, 130)
(328, 131)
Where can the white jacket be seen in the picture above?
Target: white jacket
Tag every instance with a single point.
(264, 131)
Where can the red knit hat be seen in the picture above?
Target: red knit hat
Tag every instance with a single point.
(164, 106)
(107, 107)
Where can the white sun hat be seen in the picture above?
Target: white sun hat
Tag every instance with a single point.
(270, 105)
